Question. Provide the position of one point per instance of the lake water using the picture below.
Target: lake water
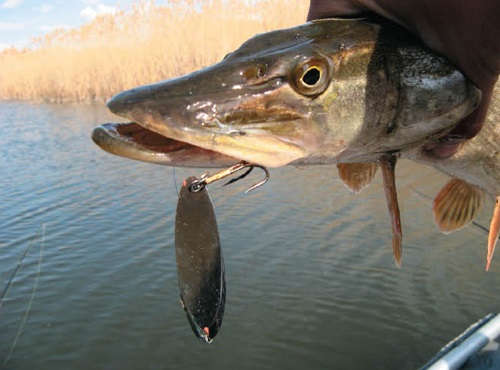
(310, 276)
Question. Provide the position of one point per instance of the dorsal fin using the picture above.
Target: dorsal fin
(357, 176)
(494, 230)
(456, 205)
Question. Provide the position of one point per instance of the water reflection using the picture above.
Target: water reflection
(311, 282)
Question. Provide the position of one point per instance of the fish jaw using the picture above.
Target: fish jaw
(133, 141)
(255, 125)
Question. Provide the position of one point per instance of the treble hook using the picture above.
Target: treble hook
(205, 179)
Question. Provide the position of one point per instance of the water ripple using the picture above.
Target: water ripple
(310, 274)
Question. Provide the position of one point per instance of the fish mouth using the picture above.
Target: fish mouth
(212, 141)
(259, 123)
(253, 144)
(133, 141)
(159, 144)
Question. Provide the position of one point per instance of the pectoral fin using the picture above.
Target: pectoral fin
(357, 176)
(388, 166)
(456, 205)
(494, 230)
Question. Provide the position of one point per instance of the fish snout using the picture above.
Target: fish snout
(126, 101)
(117, 103)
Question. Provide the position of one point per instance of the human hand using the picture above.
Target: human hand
(465, 31)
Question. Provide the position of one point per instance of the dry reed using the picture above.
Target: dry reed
(145, 44)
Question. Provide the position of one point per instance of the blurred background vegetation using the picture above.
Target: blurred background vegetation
(145, 44)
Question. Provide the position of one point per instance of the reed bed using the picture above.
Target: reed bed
(144, 44)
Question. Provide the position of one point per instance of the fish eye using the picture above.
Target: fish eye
(311, 78)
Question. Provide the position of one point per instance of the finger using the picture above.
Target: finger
(327, 8)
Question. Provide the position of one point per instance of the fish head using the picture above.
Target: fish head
(326, 91)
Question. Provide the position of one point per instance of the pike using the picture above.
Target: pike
(356, 93)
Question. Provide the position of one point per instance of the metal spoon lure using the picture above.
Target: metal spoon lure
(200, 265)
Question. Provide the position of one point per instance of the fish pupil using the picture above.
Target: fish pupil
(311, 77)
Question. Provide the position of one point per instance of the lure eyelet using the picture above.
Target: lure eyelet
(199, 184)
